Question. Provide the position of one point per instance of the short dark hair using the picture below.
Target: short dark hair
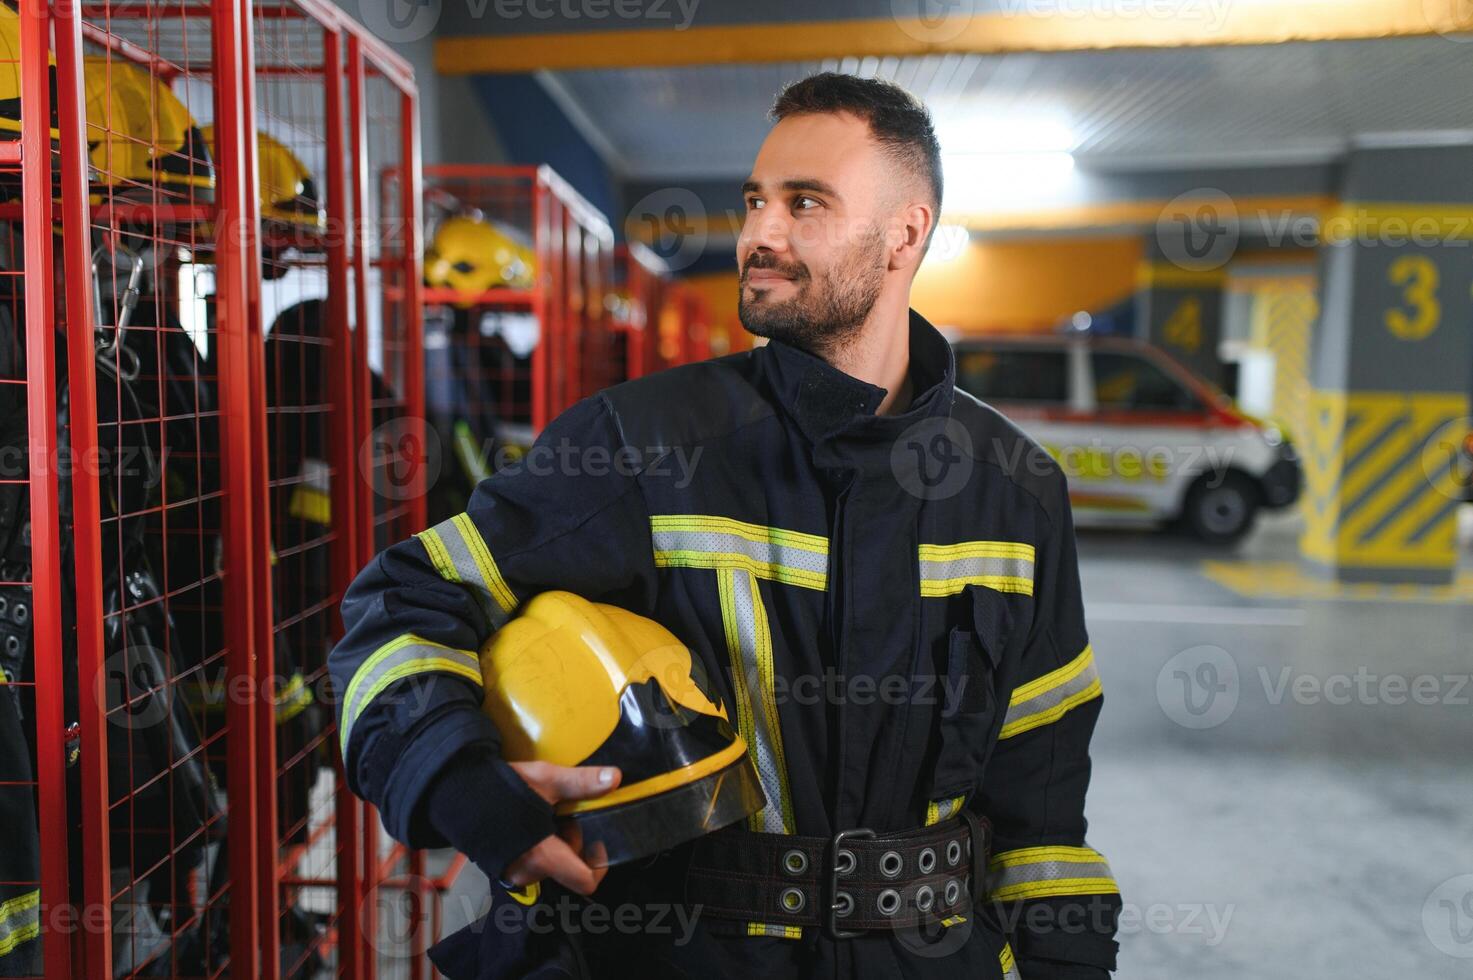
(897, 120)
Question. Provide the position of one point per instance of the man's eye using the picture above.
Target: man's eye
(799, 203)
(753, 203)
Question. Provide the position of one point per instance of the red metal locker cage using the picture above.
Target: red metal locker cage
(180, 500)
(519, 269)
(634, 306)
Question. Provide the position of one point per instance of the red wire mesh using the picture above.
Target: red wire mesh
(307, 422)
(149, 101)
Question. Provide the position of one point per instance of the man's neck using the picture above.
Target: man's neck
(880, 354)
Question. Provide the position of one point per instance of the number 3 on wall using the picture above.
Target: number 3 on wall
(1417, 275)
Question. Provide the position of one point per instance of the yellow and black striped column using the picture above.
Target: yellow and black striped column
(1391, 368)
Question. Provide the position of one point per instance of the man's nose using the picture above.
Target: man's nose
(765, 228)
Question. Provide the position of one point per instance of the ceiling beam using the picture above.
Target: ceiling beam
(1068, 27)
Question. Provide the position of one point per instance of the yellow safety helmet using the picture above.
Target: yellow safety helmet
(285, 187)
(471, 255)
(10, 73)
(580, 683)
(140, 133)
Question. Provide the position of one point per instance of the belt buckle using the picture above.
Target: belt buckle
(831, 920)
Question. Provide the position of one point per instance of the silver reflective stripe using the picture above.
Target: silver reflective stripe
(750, 645)
(404, 657)
(20, 920)
(969, 568)
(696, 541)
(1006, 566)
(1050, 697)
(1041, 872)
(939, 810)
(459, 554)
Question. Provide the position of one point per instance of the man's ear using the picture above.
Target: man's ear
(913, 224)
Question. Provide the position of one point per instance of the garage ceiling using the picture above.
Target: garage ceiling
(1114, 110)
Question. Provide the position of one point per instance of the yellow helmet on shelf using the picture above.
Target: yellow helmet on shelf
(285, 187)
(141, 134)
(579, 683)
(472, 255)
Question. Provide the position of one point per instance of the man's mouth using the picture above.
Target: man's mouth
(765, 277)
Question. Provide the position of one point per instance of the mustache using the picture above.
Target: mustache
(762, 260)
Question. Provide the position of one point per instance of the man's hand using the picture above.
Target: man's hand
(559, 856)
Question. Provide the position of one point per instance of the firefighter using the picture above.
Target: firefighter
(874, 572)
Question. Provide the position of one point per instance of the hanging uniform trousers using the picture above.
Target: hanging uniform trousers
(888, 606)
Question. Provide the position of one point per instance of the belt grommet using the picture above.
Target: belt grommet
(925, 898)
(843, 904)
(844, 862)
(795, 862)
(793, 900)
(21, 614)
(12, 644)
(952, 894)
(891, 864)
(953, 853)
(888, 901)
(926, 861)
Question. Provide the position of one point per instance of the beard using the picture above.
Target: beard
(824, 314)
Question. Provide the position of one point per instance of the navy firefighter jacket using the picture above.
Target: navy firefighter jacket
(897, 598)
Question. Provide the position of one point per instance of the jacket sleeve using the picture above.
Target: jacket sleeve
(569, 515)
(1055, 895)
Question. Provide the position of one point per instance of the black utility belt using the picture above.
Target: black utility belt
(855, 881)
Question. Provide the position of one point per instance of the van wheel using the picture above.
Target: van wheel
(1221, 510)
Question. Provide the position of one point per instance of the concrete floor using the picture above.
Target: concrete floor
(1310, 817)
(1273, 803)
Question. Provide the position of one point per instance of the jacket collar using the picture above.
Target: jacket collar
(825, 402)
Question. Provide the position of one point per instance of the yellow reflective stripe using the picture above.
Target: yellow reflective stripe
(1048, 698)
(1004, 566)
(775, 554)
(20, 920)
(1009, 965)
(749, 643)
(953, 920)
(1041, 872)
(402, 657)
(939, 810)
(439, 558)
(459, 554)
(781, 932)
(476, 544)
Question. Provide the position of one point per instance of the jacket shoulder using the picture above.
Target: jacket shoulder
(687, 404)
(999, 443)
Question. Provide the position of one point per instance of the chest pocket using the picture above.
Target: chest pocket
(969, 703)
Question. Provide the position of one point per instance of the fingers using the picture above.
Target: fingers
(557, 783)
(552, 857)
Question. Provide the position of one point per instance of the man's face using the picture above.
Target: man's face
(812, 252)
